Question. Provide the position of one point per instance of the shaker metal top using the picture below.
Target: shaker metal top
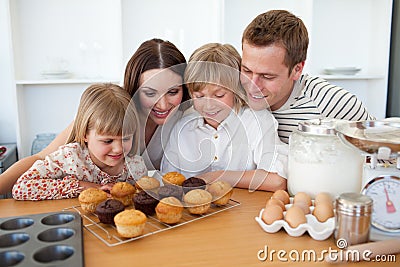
(318, 126)
(354, 202)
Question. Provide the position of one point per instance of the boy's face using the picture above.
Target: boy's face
(214, 103)
(265, 76)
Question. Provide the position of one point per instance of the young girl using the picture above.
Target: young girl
(99, 151)
(224, 139)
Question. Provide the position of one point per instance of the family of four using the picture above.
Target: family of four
(217, 116)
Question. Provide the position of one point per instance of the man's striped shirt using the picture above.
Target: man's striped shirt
(315, 98)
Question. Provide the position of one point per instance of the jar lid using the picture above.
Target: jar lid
(318, 126)
(354, 202)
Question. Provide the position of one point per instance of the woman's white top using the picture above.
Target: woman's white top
(154, 151)
(247, 140)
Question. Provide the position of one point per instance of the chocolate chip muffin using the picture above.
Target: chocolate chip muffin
(193, 183)
(107, 210)
(145, 202)
(170, 190)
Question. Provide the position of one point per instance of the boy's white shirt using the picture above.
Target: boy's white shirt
(247, 140)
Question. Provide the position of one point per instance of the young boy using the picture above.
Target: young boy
(223, 138)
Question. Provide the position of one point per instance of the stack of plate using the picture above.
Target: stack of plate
(56, 74)
(342, 70)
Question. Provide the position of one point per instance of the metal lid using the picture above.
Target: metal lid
(354, 203)
(318, 126)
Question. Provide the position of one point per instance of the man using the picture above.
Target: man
(274, 48)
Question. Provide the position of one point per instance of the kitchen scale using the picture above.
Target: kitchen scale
(379, 142)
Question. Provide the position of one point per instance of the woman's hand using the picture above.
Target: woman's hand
(85, 185)
(107, 187)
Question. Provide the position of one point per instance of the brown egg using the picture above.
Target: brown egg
(323, 211)
(275, 201)
(303, 206)
(295, 216)
(281, 195)
(272, 213)
(322, 197)
(302, 197)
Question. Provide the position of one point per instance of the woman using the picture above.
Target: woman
(153, 77)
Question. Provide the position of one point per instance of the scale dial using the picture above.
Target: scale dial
(385, 192)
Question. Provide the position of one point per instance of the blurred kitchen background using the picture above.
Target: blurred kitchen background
(51, 50)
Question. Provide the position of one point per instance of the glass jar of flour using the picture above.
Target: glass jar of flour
(320, 162)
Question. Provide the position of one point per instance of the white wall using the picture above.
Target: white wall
(86, 35)
(186, 23)
(8, 114)
(239, 13)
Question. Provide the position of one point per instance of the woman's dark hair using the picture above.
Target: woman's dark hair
(154, 54)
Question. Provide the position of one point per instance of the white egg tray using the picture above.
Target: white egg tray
(317, 230)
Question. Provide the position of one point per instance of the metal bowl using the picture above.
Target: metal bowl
(369, 136)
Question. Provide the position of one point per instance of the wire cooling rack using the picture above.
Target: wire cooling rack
(109, 236)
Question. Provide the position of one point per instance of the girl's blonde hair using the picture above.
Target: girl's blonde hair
(107, 109)
(217, 64)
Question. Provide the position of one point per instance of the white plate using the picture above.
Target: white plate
(342, 71)
(57, 75)
(317, 230)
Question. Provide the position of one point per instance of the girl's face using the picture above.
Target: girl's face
(108, 151)
(159, 93)
(214, 103)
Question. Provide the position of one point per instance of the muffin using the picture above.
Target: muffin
(107, 210)
(145, 202)
(130, 223)
(170, 190)
(169, 210)
(90, 198)
(198, 201)
(173, 178)
(123, 192)
(193, 183)
(147, 183)
(221, 192)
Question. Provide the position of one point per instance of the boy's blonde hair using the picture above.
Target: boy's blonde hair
(107, 109)
(217, 64)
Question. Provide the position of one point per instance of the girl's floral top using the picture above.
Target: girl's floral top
(58, 175)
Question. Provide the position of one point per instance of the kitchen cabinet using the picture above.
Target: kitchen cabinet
(90, 41)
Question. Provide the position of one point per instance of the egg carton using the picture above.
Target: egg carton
(316, 229)
(47, 239)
